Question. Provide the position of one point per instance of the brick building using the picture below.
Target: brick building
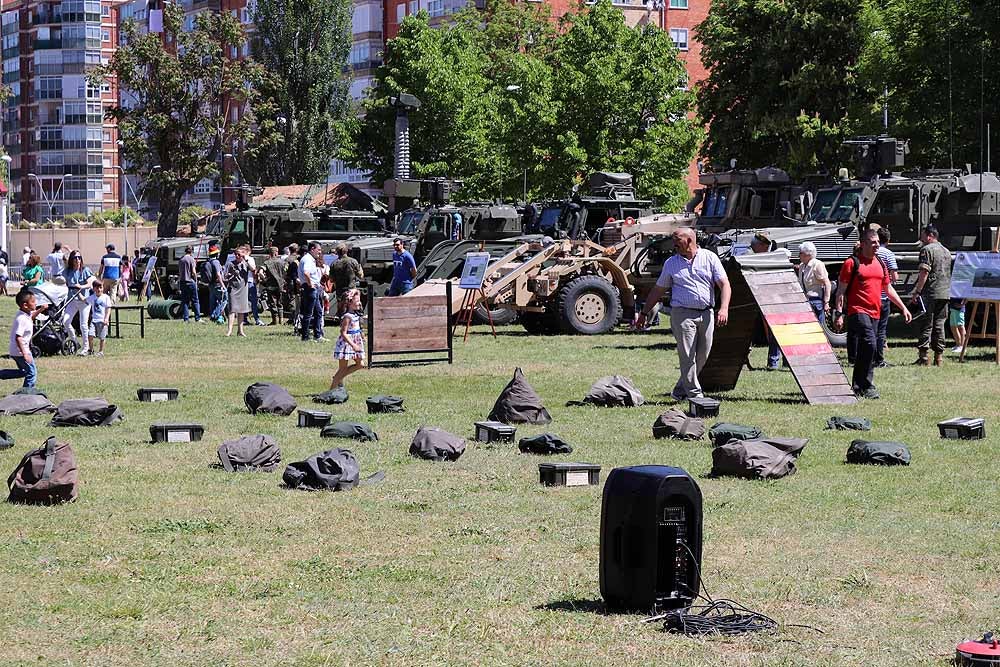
(63, 151)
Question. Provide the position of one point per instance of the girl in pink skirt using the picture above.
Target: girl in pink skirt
(350, 348)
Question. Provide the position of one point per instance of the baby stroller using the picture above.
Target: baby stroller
(50, 337)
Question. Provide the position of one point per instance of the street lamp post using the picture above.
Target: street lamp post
(50, 202)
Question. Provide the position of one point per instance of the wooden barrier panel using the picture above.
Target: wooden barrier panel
(777, 296)
(410, 325)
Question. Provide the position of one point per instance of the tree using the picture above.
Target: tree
(506, 99)
(939, 63)
(782, 87)
(184, 103)
(304, 46)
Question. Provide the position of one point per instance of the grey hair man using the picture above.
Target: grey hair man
(691, 275)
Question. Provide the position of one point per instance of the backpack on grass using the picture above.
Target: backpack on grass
(352, 430)
(675, 424)
(249, 453)
(332, 470)
(613, 391)
(544, 444)
(86, 412)
(434, 444)
(767, 458)
(723, 432)
(269, 398)
(25, 404)
(332, 396)
(880, 453)
(518, 403)
(45, 476)
(848, 424)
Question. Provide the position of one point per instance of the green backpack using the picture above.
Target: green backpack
(723, 432)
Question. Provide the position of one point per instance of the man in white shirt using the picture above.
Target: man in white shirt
(312, 306)
(691, 275)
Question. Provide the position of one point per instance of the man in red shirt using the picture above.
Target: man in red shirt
(863, 277)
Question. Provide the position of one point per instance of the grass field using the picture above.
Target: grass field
(164, 560)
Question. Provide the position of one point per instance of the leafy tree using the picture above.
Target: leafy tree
(939, 62)
(190, 215)
(181, 102)
(507, 98)
(782, 87)
(304, 45)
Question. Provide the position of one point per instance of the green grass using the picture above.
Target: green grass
(167, 561)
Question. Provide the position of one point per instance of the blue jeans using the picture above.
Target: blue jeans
(400, 288)
(189, 295)
(312, 313)
(882, 333)
(217, 299)
(818, 307)
(254, 305)
(23, 370)
(773, 351)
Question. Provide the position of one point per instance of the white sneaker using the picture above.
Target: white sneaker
(83, 353)
(957, 349)
(98, 354)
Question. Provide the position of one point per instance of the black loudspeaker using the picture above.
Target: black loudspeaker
(650, 539)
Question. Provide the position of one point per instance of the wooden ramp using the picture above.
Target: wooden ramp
(778, 296)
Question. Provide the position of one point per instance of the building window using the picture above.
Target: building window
(435, 7)
(49, 87)
(680, 38)
(414, 7)
(105, 35)
(678, 4)
(105, 10)
(400, 13)
(203, 187)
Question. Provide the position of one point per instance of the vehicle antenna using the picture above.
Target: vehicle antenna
(951, 113)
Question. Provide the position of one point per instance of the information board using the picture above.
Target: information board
(976, 276)
(475, 270)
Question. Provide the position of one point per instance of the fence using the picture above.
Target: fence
(90, 241)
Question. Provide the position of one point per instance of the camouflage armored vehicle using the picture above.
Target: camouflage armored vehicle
(168, 253)
(609, 196)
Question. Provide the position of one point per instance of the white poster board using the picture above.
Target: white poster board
(976, 276)
(150, 265)
(475, 270)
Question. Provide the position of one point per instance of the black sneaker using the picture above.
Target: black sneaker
(883, 364)
(871, 393)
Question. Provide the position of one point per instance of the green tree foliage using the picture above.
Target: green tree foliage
(782, 87)
(177, 102)
(510, 95)
(304, 45)
(940, 63)
(190, 215)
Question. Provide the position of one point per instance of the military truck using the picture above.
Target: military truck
(168, 253)
(609, 196)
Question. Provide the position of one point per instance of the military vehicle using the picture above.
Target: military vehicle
(609, 196)
(168, 253)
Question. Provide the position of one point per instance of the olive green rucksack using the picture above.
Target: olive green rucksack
(352, 430)
(723, 432)
(848, 424)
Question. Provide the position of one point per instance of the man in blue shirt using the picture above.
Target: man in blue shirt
(691, 275)
(404, 270)
(110, 272)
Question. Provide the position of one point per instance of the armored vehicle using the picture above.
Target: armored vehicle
(609, 196)
(481, 222)
(168, 253)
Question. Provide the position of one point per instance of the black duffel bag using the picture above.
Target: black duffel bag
(544, 443)
(332, 396)
(269, 398)
(6, 440)
(613, 391)
(765, 458)
(332, 470)
(250, 453)
(434, 444)
(380, 403)
(882, 453)
(352, 430)
(85, 412)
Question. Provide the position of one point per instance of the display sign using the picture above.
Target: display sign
(976, 276)
(475, 270)
(150, 265)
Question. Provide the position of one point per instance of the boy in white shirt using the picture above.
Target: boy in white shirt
(100, 313)
(21, 331)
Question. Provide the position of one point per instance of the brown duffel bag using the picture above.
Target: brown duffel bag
(45, 476)
(675, 424)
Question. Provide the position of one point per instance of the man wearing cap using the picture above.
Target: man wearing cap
(216, 286)
(188, 278)
(110, 272)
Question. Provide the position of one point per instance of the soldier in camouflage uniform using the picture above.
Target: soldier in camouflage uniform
(934, 287)
(272, 278)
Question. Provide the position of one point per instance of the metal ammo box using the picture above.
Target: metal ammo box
(703, 407)
(314, 418)
(151, 395)
(162, 432)
(489, 431)
(963, 428)
(569, 474)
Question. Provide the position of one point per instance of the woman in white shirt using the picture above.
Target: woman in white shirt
(815, 279)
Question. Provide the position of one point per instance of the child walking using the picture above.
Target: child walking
(956, 318)
(20, 340)
(350, 348)
(100, 313)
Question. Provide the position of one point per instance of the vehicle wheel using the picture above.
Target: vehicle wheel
(836, 339)
(69, 347)
(589, 305)
(35, 350)
(501, 316)
(538, 324)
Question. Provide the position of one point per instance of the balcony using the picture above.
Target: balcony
(45, 18)
(41, 44)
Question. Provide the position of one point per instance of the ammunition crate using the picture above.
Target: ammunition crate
(703, 407)
(151, 395)
(963, 428)
(176, 432)
(488, 431)
(314, 418)
(569, 474)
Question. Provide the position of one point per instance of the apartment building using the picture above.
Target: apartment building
(679, 17)
(63, 151)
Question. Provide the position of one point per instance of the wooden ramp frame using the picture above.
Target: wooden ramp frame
(778, 296)
(410, 325)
